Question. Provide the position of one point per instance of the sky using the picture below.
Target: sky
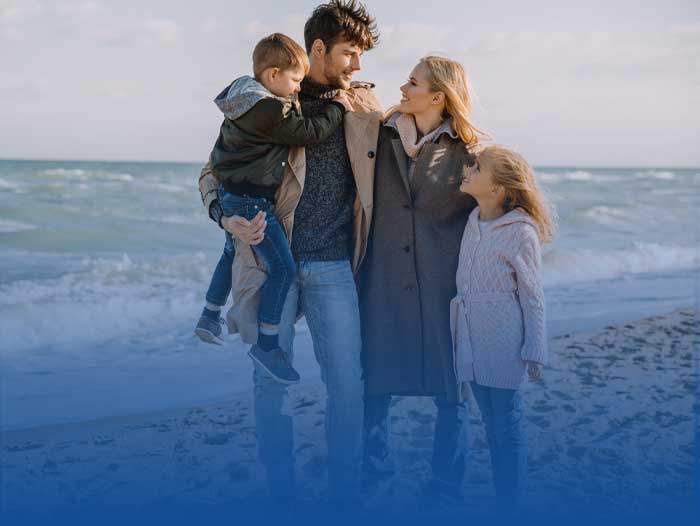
(566, 83)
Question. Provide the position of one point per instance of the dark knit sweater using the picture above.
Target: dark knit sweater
(323, 217)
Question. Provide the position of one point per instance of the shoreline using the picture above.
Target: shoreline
(612, 420)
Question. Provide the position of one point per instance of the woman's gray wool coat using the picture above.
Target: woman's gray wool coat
(407, 279)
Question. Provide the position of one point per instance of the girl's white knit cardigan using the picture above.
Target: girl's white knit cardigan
(498, 316)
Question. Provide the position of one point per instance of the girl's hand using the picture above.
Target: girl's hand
(534, 371)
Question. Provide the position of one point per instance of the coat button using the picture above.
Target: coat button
(407, 207)
(408, 287)
(407, 248)
(370, 154)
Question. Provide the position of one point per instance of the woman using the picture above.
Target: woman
(408, 277)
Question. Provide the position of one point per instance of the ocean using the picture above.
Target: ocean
(104, 266)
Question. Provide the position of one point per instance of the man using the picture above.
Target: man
(325, 206)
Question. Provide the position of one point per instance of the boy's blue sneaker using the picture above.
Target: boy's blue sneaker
(209, 330)
(276, 364)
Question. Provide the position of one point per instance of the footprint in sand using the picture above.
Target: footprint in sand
(237, 472)
(303, 446)
(216, 439)
(50, 468)
(561, 395)
(421, 418)
(194, 417)
(539, 421)
(665, 419)
(421, 443)
(304, 402)
(543, 408)
(583, 421)
(576, 452)
(657, 469)
(102, 440)
(137, 427)
(315, 467)
(226, 420)
(479, 444)
(27, 446)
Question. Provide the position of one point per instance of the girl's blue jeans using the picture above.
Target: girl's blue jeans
(502, 411)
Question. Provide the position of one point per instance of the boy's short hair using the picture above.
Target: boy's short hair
(341, 20)
(278, 51)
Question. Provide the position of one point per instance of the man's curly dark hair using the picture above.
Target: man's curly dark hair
(341, 20)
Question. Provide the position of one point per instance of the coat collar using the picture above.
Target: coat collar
(445, 127)
(402, 157)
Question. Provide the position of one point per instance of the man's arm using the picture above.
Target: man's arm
(250, 232)
(208, 190)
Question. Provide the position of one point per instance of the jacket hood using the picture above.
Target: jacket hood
(517, 215)
(241, 95)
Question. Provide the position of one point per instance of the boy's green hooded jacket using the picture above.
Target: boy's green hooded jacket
(251, 152)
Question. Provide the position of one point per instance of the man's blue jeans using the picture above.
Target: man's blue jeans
(501, 412)
(450, 444)
(327, 294)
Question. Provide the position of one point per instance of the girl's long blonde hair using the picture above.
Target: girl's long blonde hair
(511, 171)
(448, 76)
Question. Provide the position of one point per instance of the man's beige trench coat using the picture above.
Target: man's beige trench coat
(361, 132)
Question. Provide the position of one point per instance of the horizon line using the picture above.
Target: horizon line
(156, 161)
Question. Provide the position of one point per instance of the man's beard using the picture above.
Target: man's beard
(334, 78)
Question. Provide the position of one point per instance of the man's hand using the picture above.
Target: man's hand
(534, 372)
(250, 232)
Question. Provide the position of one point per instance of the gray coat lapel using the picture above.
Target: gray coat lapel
(402, 161)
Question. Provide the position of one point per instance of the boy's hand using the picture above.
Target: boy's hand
(343, 99)
(534, 371)
(250, 232)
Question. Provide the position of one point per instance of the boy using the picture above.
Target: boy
(249, 158)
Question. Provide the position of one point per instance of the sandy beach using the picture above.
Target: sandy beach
(610, 425)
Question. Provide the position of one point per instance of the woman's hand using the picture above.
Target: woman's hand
(250, 232)
(534, 371)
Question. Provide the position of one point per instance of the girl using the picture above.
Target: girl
(498, 316)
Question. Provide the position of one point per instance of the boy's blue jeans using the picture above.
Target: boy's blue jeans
(273, 250)
(501, 411)
(220, 285)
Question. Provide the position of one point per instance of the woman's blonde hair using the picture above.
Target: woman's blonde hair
(511, 171)
(448, 76)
